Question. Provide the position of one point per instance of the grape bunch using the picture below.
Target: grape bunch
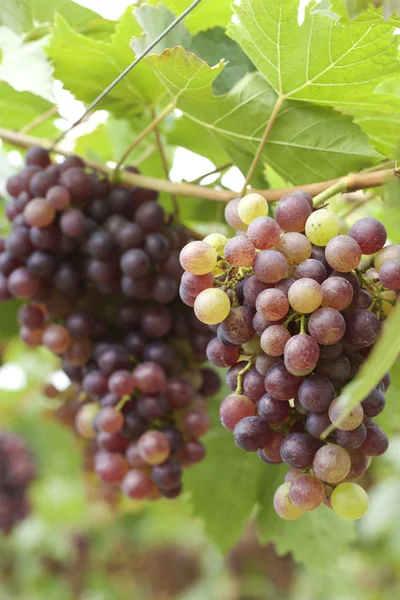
(296, 310)
(97, 264)
(17, 471)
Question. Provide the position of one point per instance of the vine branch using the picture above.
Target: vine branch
(353, 182)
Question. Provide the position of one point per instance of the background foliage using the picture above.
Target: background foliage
(336, 80)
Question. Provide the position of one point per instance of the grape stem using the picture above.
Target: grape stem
(122, 403)
(337, 188)
(271, 121)
(40, 119)
(213, 172)
(303, 324)
(241, 374)
(152, 126)
(360, 181)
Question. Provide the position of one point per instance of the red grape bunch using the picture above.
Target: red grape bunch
(97, 264)
(295, 316)
(17, 471)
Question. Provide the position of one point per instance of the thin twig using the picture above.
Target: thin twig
(358, 181)
(127, 70)
(164, 162)
(213, 172)
(40, 119)
(144, 133)
(264, 138)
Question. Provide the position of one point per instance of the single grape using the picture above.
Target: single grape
(217, 241)
(212, 306)
(270, 266)
(388, 298)
(321, 226)
(31, 316)
(264, 363)
(237, 328)
(349, 501)
(338, 370)
(376, 443)
(284, 285)
(301, 354)
(342, 417)
(198, 258)
(307, 492)
(239, 251)
(305, 295)
(374, 403)
(281, 384)
(22, 284)
(293, 210)
(317, 423)
(221, 355)
(251, 434)
(283, 505)
(370, 235)
(391, 252)
(272, 411)
(273, 340)
(253, 385)
(251, 207)
(194, 424)
(37, 156)
(389, 274)
(252, 287)
(359, 465)
(149, 378)
(110, 467)
(312, 269)
(316, 393)
(109, 420)
(343, 253)
(85, 419)
(350, 440)
(234, 408)
(232, 215)
(264, 233)
(326, 326)
(337, 293)
(298, 450)
(272, 304)
(58, 197)
(271, 453)
(362, 328)
(295, 247)
(331, 463)
(194, 284)
(137, 484)
(56, 338)
(154, 447)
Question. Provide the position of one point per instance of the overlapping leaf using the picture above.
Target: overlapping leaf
(336, 64)
(17, 109)
(306, 143)
(206, 15)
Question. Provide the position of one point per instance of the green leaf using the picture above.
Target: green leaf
(97, 63)
(17, 109)
(224, 488)
(383, 130)
(8, 319)
(153, 21)
(211, 46)
(16, 15)
(24, 65)
(77, 16)
(356, 7)
(307, 143)
(320, 61)
(206, 15)
(317, 539)
(381, 359)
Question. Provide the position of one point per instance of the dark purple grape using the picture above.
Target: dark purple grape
(311, 268)
(237, 328)
(301, 354)
(41, 264)
(150, 217)
(317, 423)
(152, 407)
(316, 393)
(376, 442)
(374, 403)
(273, 411)
(350, 440)
(362, 328)
(298, 450)
(281, 384)
(253, 385)
(251, 434)
(79, 184)
(338, 370)
(168, 475)
(370, 235)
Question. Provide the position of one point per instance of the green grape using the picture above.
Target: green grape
(212, 306)
(391, 252)
(321, 226)
(349, 500)
(84, 420)
(305, 295)
(217, 241)
(349, 421)
(251, 207)
(253, 346)
(283, 505)
(198, 258)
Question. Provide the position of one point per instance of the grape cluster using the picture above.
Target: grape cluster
(295, 315)
(17, 471)
(98, 266)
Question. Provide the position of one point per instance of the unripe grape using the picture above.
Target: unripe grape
(217, 241)
(283, 505)
(349, 501)
(84, 420)
(321, 226)
(198, 258)
(232, 216)
(212, 306)
(349, 421)
(305, 295)
(251, 207)
(391, 252)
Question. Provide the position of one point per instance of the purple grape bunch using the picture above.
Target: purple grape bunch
(17, 472)
(97, 266)
(295, 312)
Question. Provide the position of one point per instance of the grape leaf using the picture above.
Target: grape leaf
(321, 61)
(206, 15)
(383, 130)
(213, 44)
(306, 143)
(17, 109)
(24, 65)
(97, 63)
(224, 488)
(317, 539)
(153, 21)
(8, 319)
(199, 139)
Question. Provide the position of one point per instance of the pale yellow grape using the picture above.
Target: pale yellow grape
(217, 241)
(84, 420)
(321, 226)
(251, 207)
(349, 501)
(282, 504)
(305, 295)
(198, 258)
(350, 420)
(212, 306)
(391, 252)
(387, 307)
